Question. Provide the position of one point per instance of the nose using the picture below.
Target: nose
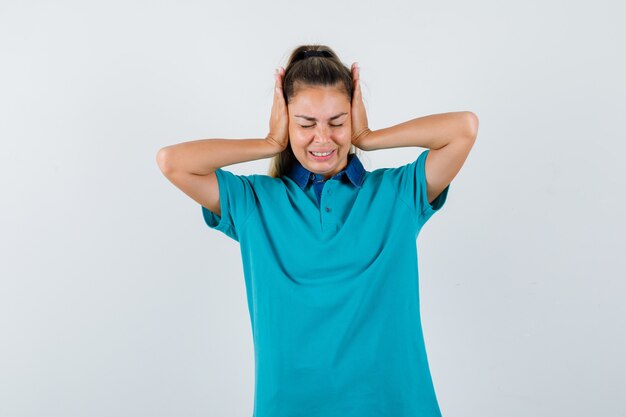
(322, 134)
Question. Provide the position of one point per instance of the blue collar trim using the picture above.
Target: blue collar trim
(354, 171)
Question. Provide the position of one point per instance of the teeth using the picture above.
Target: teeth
(321, 154)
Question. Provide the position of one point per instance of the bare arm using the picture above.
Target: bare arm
(191, 166)
(433, 131)
(449, 136)
(204, 156)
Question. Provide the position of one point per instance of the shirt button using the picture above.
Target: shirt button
(327, 208)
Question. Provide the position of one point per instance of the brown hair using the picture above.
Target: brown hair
(302, 71)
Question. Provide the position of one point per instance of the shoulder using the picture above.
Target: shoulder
(266, 184)
(252, 179)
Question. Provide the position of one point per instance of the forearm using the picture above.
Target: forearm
(204, 156)
(433, 131)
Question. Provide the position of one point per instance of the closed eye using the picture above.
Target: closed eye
(314, 125)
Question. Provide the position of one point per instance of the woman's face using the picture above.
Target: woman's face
(320, 121)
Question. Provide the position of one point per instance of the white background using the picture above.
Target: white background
(117, 300)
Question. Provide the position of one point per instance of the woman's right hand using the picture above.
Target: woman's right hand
(279, 119)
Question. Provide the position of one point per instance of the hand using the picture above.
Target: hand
(279, 118)
(359, 119)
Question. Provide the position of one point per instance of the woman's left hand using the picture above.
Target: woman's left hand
(360, 129)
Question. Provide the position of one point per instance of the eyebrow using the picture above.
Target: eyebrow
(313, 119)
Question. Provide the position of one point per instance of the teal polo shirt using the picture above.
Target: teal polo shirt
(331, 279)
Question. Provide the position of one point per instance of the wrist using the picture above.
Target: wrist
(362, 140)
(273, 146)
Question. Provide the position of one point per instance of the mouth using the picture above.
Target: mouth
(322, 156)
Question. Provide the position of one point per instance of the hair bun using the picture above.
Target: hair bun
(312, 53)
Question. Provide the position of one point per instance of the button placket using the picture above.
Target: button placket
(328, 191)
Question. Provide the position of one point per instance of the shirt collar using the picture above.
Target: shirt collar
(354, 171)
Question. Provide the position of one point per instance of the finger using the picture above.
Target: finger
(357, 87)
(279, 82)
(277, 77)
(356, 78)
(277, 86)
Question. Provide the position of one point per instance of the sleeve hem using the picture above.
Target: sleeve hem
(430, 207)
(437, 203)
(223, 222)
(215, 221)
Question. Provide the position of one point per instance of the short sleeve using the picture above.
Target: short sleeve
(237, 202)
(410, 181)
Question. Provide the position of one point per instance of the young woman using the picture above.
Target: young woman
(329, 248)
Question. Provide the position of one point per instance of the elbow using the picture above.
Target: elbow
(164, 160)
(471, 125)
